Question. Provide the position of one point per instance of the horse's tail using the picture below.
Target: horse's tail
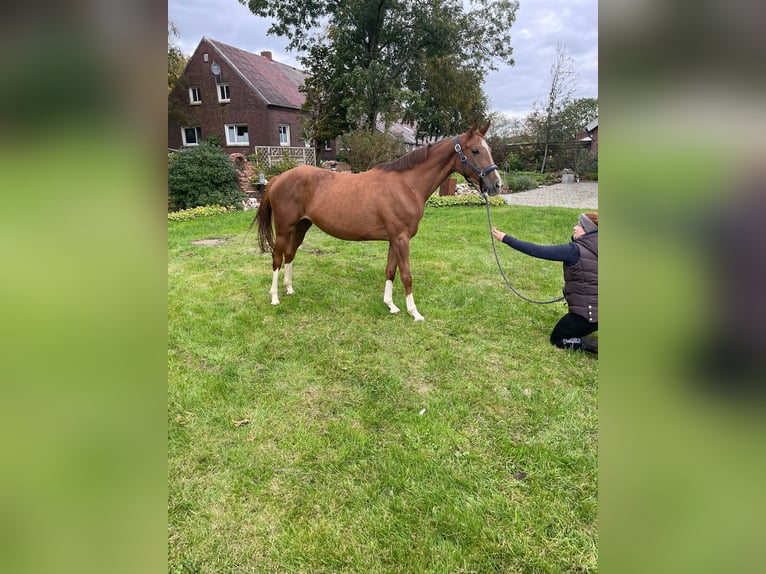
(263, 217)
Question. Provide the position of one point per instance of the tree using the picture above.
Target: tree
(387, 59)
(176, 64)
(441, 109)
(364, 149)
(562, 87)
(575, 116)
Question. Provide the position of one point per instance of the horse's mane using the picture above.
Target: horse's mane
(407, 161)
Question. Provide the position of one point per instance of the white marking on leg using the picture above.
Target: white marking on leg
(388, 296)
(273, 290)
(412, 310)
(289, 278)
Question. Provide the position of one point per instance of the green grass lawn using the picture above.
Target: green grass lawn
(466, 443)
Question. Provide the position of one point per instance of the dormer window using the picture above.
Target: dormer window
(223, 93)
(195, 96)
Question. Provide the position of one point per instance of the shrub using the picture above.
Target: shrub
(284, 164)
(197, 212)
(203, 175)
(585, 161)
(550, 178)
(462, 200)
(520, 182)
(364, 149)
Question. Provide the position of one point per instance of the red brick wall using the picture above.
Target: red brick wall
(245, 107)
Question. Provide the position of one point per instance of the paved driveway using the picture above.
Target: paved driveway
(583, 195)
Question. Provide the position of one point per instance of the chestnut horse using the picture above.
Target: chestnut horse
(384, 203)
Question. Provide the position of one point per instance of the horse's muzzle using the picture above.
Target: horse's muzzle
(492, 184)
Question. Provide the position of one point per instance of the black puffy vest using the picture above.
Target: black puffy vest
(581, 279)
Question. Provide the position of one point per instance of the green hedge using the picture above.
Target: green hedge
(461, 200)
(197, 212)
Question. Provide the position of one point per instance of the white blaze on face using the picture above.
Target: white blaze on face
(494, 174)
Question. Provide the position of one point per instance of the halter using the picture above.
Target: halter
(480, 172)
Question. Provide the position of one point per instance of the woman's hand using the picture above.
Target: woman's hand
(499, 235)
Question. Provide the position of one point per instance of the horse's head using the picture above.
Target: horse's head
(476, 163)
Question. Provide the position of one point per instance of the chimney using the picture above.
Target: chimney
(266, 54)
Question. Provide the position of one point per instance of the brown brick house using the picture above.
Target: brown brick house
(245, 100)
(590, 134)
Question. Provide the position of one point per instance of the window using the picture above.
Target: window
(195, 95)
(328, 145)
(191, 136)
(236, 134)
(284, 134)
(223, 93)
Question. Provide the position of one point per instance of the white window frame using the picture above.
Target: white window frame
(223, 90)
(197, 133)
(238, 138)
(327, 145)
(195, 96)
(284, 135)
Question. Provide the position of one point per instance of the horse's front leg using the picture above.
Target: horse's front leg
(388, 293)
(403, 256)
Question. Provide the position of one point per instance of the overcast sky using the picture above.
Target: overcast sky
(539, 26)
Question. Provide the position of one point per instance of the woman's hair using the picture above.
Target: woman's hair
(593, 216)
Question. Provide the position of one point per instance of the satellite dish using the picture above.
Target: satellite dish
(215, 68)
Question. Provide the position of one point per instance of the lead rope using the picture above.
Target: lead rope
(497, 259)
(481, 174)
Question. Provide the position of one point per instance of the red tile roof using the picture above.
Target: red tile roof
(276, 83)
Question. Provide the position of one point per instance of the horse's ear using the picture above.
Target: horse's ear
(483, 130)
(473, 128)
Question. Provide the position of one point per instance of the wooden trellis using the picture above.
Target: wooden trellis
(270, 155)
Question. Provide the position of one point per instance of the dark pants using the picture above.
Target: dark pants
(568, 332)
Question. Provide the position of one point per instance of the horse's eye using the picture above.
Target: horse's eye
(475, 152)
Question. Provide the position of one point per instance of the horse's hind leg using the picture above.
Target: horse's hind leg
(277, 256)
(388, 293)
(296, 238)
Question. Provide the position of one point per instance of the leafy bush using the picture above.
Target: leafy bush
(284, 164)
(585, 161)
(203, 175)
(363, 149)
(512, 163)
(520, 182)
(197, 212)
(462, 200)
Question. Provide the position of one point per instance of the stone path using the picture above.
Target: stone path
(582, 195)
